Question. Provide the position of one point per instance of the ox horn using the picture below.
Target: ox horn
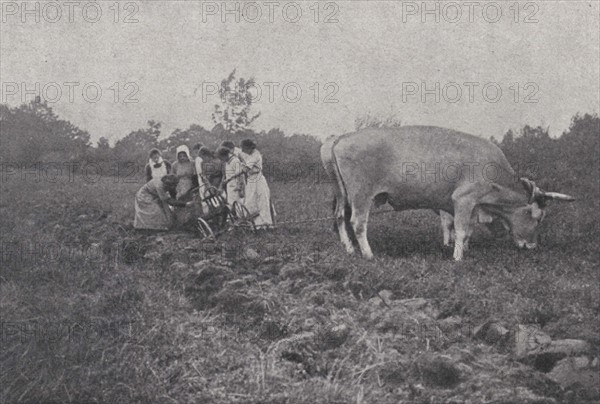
(558, 196)
(536, 193)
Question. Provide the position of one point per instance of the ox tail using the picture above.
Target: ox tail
(344, 195)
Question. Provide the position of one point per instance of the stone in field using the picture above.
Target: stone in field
(529, 338)
(578, 371)
(491, 332)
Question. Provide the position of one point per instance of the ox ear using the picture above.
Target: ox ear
(531, 189)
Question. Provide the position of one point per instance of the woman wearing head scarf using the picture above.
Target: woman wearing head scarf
(233, 176)
(258, 195)
(152, 202)
(184, 169)
(156, 167)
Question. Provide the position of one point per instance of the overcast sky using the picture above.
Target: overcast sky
(375, 59)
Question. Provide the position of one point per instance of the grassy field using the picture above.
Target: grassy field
(93, 312)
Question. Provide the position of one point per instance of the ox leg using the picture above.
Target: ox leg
(359, 220)
(462, 228)
(447, 227)
(340, 219)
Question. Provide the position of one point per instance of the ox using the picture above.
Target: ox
(426, 167)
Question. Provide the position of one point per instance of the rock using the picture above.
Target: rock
(152, 255)
(237, 283)
(452, 325)
(411, 318)
(205, 283)
(420, 305)
(383, 298)
(250, 254)
(291, 270)
(569, 347)
(224, 263)
(333, 336)
(271, 260)
(439, 370)
(577, 370)
(159, 240)
(491, 332)
(529, 338)
(200, 265)
(178, 266)
(545, 357)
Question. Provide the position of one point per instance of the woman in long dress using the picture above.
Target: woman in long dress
(152, 202)
(156, 167)
(258, 195)
(233, 176)
(185, 170)
(211, 167)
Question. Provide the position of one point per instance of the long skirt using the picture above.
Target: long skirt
(258, 200)
(186, 216)
(233, 195)
(184, 186)
(149, 212)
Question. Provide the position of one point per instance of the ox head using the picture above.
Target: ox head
(524, 220)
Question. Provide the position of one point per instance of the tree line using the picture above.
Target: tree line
(33, 132)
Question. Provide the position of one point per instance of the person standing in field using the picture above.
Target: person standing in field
(184, 169)
(258, 195)
(156, 167)
(233, 177)
(211, 167)
(198, 161)
(236, 151)
(152, 204)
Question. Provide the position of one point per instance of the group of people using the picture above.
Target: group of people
(236, 171)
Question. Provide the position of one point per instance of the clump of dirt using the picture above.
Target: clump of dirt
(203, 285)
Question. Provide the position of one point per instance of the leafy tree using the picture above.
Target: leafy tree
(190, 136)
(138, 143)
(580, 146)
(375, 121)
(33, 132)
(236, 101)
(566, 162)
(103, 144)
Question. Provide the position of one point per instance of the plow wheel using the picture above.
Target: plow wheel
(242, 217)
(204, 229)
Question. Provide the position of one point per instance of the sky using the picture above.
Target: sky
(483, 67)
